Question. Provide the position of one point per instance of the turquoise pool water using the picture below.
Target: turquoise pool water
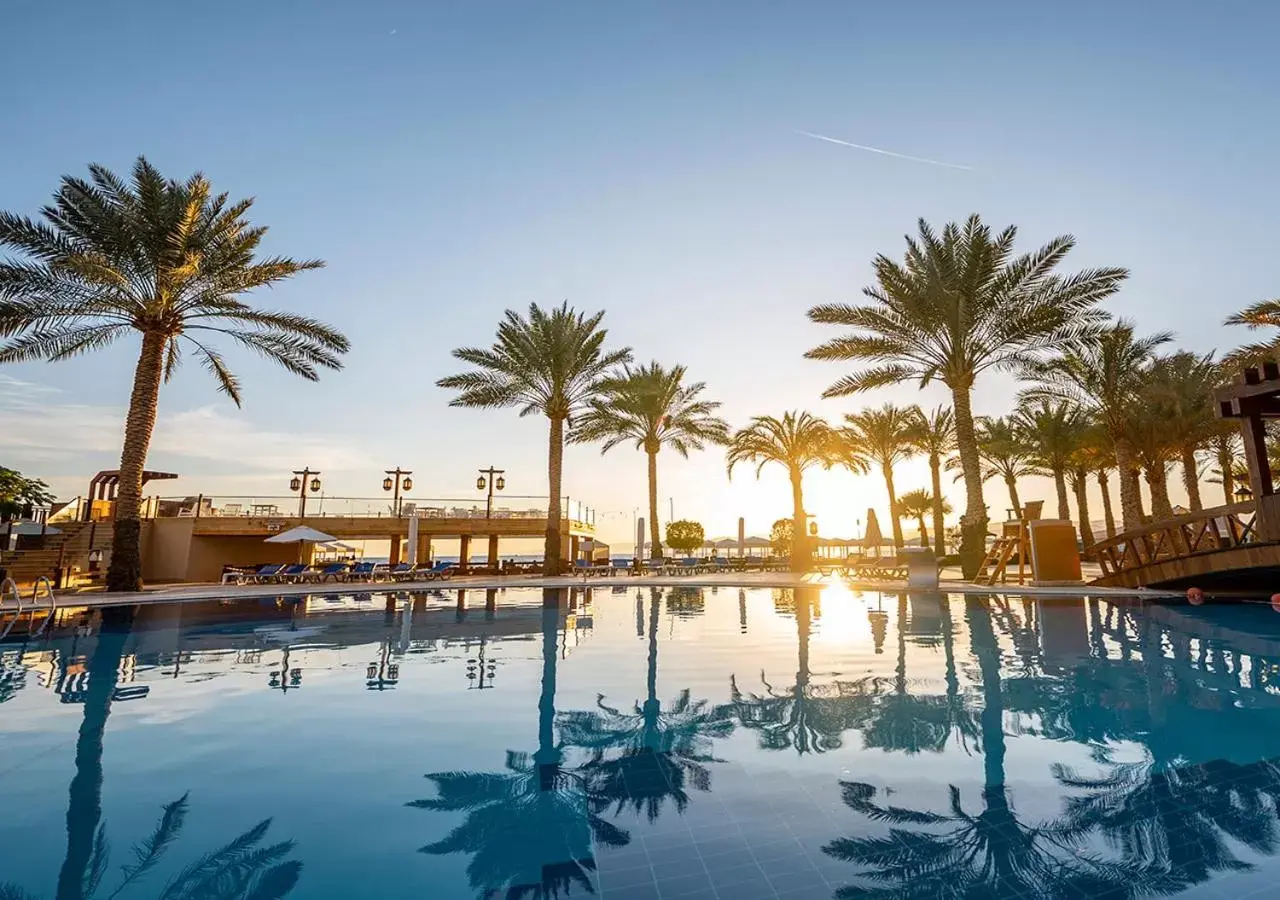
(643, 743)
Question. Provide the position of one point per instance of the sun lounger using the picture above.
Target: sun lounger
(622, 564)
(362, 571)
(400, 572)
(290, 574)
(441, 570)
(334, 571)
(266, 574)
(690, 565)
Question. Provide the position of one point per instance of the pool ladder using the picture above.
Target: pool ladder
(10, 595)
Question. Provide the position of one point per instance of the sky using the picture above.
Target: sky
(686, 167)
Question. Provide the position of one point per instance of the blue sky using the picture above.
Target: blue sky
(451, 160)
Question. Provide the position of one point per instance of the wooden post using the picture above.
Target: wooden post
(464, 553)
(493, 552)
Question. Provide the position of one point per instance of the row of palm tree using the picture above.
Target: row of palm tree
(169, 261)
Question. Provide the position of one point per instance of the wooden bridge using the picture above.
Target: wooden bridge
(1217, 547)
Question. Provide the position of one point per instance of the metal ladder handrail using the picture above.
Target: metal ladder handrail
(10, 586)
(35, 600)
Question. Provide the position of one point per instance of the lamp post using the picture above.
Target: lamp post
(396, 479)
(492, 479)
(285, 678)
(301, 482)
(383, 674)
(1243, 493)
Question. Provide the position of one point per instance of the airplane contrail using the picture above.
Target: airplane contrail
(919, 159)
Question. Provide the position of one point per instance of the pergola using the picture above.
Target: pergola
(103, 486)
(1252, 401)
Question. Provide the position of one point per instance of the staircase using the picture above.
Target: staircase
(70, 548)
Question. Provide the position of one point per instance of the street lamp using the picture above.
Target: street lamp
(383, 674)
(494, 482)
(300, 483)
(285, 678)
(396, 480)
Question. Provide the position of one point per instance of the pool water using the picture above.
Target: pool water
(643, 743)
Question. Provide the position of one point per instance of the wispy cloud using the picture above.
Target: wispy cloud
(882, 152)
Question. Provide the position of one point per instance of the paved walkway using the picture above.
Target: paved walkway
(170, 594)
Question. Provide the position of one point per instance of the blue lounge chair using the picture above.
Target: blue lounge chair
(690, 565)
(402, 571)
(363, 571)
(622, 564)
(291, 574)
(332, 572)
(584, 567)
(266, 574)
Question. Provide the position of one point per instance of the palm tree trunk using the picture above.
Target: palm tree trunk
(939, 526)
(801, 555)
(1225, 459)
(551, 563)
(893, 507)
(1191, 478)
(1012, 484)
(1060, 483)
(1080, 483)
(987, 652)
(1108, 515)
(655, 538)
(1158, 482)
(924, 535)
(84, 807)
(125, 571)
(973, 527)
(1131, 514)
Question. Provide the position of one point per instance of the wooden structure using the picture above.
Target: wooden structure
(1232, 546)
(1011, 545)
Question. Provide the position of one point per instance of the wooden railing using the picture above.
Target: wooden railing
(1206, 531)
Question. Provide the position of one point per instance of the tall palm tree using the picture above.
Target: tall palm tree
(797, 441)
(1182, 384)
(652, 407)
(884, 437)
(164, 259)
(1053, 432)
(934, 436)
(1225, 446)
(1078, 480)
(1105, 375)
(1004, 454)
(552, 363)
(961, 304)
(917, 505)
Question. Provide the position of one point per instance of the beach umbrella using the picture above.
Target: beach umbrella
(872, 537)
(300, 535)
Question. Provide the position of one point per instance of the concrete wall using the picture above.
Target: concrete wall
(166, 544)
(209, 554)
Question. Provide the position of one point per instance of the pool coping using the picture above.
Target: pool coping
(172, 594)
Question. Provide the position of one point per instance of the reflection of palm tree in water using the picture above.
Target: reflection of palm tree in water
(241, 870)
(661, 749)
(991, 853)
(529, 829)
(797, 718)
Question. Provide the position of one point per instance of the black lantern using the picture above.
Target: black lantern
(407, 484)
(387, 483)
(315, 485)
(813, 529)
(1243, 493)
(480, 483)
(500, 483)
(295, 484)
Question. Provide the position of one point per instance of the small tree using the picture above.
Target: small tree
(781, 536)
(19, 495)
(685, 535)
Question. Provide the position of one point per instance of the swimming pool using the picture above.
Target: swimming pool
(643, 742)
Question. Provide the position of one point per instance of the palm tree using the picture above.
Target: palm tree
(885, 437)
(1225, 445)
(917, 505)
(168, 260)
(1097, 455)
(1003, 453)
(653, 407)
(961, 304)
(797, 441)
(552, 363)
(935, 436)
(1264, 314)
(1078, 481)
(1105, 375)
(1182, 384)
(1053, 432)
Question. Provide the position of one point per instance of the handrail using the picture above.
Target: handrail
(35, 600)
(1205, 531)
(11, 587)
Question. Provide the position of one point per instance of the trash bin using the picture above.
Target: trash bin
(1055, 556)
